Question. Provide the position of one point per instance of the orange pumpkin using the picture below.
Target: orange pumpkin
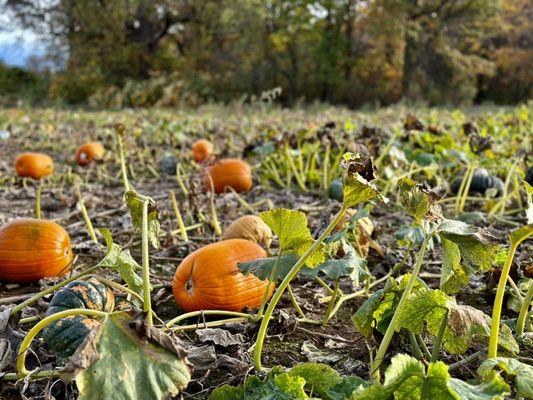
(202, 149)
(31, 249)
(209, 279)
(88, 152)
(231, 172)
(34, 165)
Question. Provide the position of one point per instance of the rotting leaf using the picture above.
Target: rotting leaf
(219, 337)
(293, 234)
(6, 354)
(122, 262)
(315, 354)
(479, 144)
(116, 352)
(135, 203)
(358, 171)
(10, 337)
(418, 201)
(412, 123)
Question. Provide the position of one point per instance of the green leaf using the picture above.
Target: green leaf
(122, 262)
(420, 307)
(148, 365)
(135, 203)
(453, 275)
(495, 389)
(344, 389)
(477, 254)
(318, 377)
(293, 234)
(418, 202)
(262, 267)
(377, 310)
(529, 208)
(520, 373)
(358, 171)
(351, 265)
(519, 235)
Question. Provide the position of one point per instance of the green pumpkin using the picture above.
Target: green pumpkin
(65, 335)
(335, 190)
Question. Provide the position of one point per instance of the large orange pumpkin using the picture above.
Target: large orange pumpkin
(209, 279)
(31, 249)
(202, 149)
(34, 165)
(89, 152)
(229, 172)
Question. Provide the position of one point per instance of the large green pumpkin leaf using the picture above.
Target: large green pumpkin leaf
(520, 373)
(122, 262)
(473, 243)
(116, 362)
(263, 267)
(454, 276)
(135, 203)
(408, 379)
(293, 234)
(318, 377)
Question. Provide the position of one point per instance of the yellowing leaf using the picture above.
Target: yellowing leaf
(135, 203)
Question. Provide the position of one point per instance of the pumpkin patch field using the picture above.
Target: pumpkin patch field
(258, 252)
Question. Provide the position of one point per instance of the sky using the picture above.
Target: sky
(18, 45)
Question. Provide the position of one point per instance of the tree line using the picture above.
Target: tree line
(351, 52)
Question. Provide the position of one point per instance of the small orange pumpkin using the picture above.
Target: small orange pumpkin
(209, 279)
(31, 249)
(89, 152)
(34, 165)
(231, 172)
(202, 149)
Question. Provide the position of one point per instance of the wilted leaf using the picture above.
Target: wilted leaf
(263, 267)
(10, 337)
(135, 204)
(293, 234)
(520, 373)
(473, 244)
(418, 201)
(315, 354)
(122, 262)
(117, 353)
(6, 354)
(479, 144)
(412, 123)
(358, 171)
(219, 337)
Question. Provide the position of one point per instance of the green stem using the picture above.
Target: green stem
(324, 285)
(385, 151)
(295, 303)
(242, 202)
(118, 286)
(191, 314)
(382, 350)
(498, 301)
(50, 290)
(179, 219)
(325, 168)
(462, 187)
(210, 324)
(38, 199)
(292, 166)
(328, 315)
(281, 288)
(86, 218)
(123, 163)
(21, 359)
(212, 205)
(522, 316)
(147, 302)
(180, 181)
(415, 346)
(28, 320)
(467, 188)
(438, 339)
(506, 188)
(270, 282)
(423, 346)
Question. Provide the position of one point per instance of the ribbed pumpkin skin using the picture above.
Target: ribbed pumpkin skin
(65, 335)
(34, 165)
(202, 149)
(31, 249)
(209, 279)
(89, 152)
(229, 172)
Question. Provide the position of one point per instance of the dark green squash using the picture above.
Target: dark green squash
(65, 335)
(335, 190)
